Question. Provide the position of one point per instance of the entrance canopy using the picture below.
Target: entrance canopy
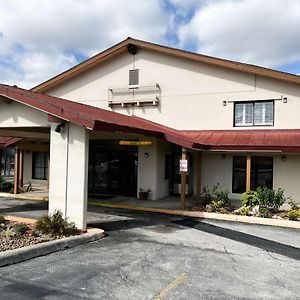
(94, 118)
(6, 141)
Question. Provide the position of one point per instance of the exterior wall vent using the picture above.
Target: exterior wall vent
(134, 77)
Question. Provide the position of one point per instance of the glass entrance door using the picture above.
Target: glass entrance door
(112, 169)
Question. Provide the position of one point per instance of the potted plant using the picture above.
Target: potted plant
(144, 194)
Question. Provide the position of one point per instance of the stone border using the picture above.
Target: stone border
(25, 253)
(23, 197)
(206, 215)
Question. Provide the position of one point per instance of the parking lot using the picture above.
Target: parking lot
(155, 256)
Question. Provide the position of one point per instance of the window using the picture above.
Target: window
(261, 173)
(259, 113)
(8, 162)
(133, 77)
(239, 174)
(40, 165)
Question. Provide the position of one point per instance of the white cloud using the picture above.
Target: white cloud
(254, 31)
(36, 36)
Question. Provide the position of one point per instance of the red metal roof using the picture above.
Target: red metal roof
(286, 140)
(6, 141)
(94, 118)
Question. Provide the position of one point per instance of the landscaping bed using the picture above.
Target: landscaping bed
(14, 235)
(262, 202)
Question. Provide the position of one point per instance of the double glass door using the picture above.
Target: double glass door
(111, 171)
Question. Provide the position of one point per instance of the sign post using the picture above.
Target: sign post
(183, 167)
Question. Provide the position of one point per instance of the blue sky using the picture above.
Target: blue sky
(39, 39)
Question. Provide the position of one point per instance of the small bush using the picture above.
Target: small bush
(55, 225)
(294, 215)
(20, 228)
(294, 205)
(222, 196)
(6, 186)
(264, 212)
(250, 198)
(270, 198)
(2, 219)
(8, 233)
(244, 211)
(206, 196)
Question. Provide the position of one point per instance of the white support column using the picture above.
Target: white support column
(69, 172)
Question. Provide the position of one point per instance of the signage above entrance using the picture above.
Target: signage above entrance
(135, 143)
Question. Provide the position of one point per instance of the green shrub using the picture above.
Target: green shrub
(264, 212)
(20, 228)
(6, 186)
(206, 196)
(270, 198)
(2, 219)
(294, 205)
(8, 233)
(294, 215)
(250, 198)
(244, 211)
(222, 196)
(55, 225)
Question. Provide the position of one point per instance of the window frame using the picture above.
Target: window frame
(253, 116)
(45, 154)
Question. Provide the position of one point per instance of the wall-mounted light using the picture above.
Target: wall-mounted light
(224, 103)
(59, 128)
(146, 154)
(283, 157)
(284, 99)
(223, 156)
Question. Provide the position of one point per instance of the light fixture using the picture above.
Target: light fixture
(59, 128)
(224, 103)
(284, 99)
(283, 157)
(146, 154)
(223, 156)
(132, 49)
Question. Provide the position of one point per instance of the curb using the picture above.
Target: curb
(206, 215)
(22, 197)
(21, 254)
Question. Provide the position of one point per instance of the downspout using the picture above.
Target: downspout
(67, 171)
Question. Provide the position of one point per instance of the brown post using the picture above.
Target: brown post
(21, 164)
(183, 182)
(16, 171)
(248, 173)
(198, 177)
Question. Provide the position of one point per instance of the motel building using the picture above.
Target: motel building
(144, 116)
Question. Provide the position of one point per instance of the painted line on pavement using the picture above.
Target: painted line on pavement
(171, 286)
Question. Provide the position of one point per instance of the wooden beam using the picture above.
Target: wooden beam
(198, 176)
(248, 173)
(16, 171)
(183, 182)
(21, 169)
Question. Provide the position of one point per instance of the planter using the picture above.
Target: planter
(143, 195)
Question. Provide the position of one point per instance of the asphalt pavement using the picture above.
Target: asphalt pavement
(155, 256)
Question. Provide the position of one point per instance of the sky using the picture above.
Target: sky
(41, 38)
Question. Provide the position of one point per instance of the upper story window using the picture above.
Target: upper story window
(254, 113)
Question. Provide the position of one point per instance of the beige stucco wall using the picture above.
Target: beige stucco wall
(191, 93)
(19, 115)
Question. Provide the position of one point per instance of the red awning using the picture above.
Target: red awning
(284, 140)
(6, 141)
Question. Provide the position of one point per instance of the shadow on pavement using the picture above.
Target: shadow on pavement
(262, 243)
